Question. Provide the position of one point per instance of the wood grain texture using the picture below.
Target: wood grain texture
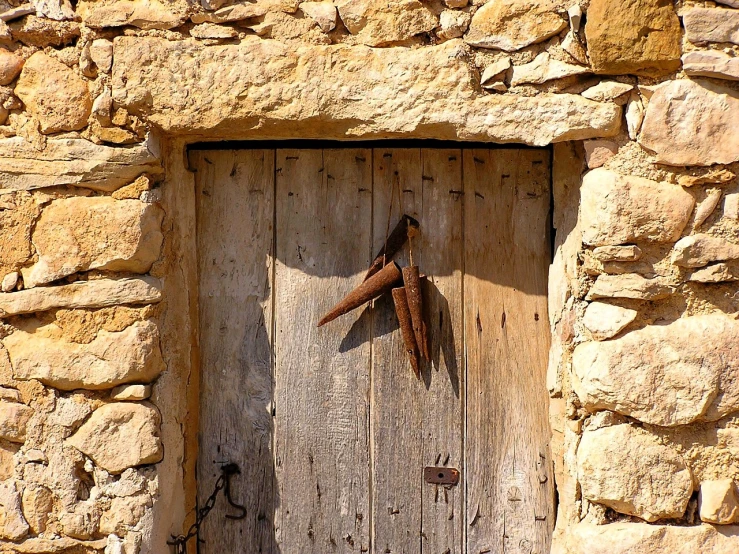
(235, 205)
(441, 258)
(323, 220)
(396, 393)
(508, 478)
(419, 423)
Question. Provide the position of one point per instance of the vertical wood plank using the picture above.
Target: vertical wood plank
(323, 223)
(509, 483)
(441, 251)
(419, 423)
(235, 213)
(397, 394)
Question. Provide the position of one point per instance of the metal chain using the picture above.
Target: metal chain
(224, 481)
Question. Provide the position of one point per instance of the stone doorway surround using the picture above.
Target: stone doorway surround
(98, 364)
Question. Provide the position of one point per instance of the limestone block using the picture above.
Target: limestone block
(10, 281)
(643, 538)
(10, 66)
(702, 249)
(35, 456)
(13, 525)
(323, 13)
(629, 285)
(717, 502)
(453, 23)
(111, 359)
(716, 273)
(124, 513)
(134, 190)
(274, 89)
(630, 471)
(37, 504)
(120, 435)
(544, 69)
(706, 207)
(74, 162)
(100, 293)
(493, 73)
(77, 234)
(130, 482)
(145, 14)
(718, 176)
(13, 421)
(599, 151)
(16, 225)
(692, 122)
(57, 545)
(606, 91)
(211, 30)
(711, 25)
(573, 45)
(83, 522)
(731, 206)
(625, 253)
(54, 94)
(619, 43)
(634, 113)
(513, 24)
(117, 545)
(42, 32)
(244, 10)
(101, 53)
(711, 63)
(9, 394)
(574, 14)
(58, 10)
(616, 209)
(378, 22)
(131, 392)
(606, 320)
(7, 462)
(664, 375)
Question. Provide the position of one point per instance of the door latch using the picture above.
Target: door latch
(441, 475)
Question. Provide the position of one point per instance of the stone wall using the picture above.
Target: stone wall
(98, 357)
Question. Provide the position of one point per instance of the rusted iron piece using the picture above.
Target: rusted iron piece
(441, 475)
(407, 226)
(406, 329)
(412, 282)
(379, 283)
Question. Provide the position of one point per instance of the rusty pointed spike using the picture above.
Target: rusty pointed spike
(379, 283)
(412, 282)
(405, 227)
(406, 329)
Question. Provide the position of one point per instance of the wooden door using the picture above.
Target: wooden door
(329, 427)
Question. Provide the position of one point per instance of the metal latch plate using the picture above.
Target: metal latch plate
(441, 475)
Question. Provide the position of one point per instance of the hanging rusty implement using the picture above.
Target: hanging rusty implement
(406, 227)
(406, 328)
(412, 281)
(380, 283)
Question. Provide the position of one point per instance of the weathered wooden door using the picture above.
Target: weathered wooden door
(329, 426)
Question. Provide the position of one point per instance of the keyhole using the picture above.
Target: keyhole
(441, 475)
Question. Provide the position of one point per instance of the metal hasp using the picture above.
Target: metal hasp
(441, 475)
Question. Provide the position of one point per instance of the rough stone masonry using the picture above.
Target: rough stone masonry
(97, 100)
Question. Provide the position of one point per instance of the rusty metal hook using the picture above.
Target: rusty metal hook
(228, 471)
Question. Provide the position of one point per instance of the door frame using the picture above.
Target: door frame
(193, 393)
